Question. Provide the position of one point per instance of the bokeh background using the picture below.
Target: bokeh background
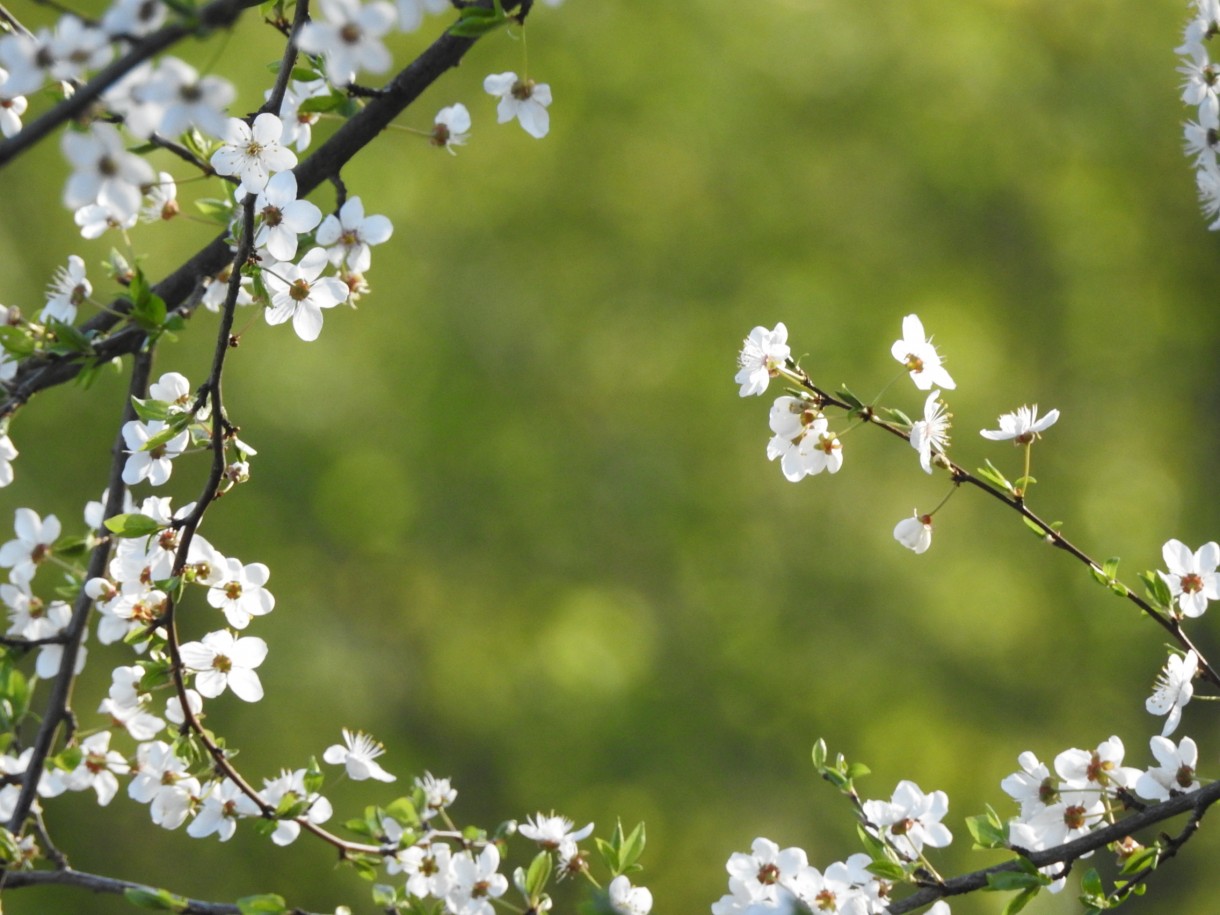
(522, 528)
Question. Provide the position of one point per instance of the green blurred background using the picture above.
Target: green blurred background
(522, 528)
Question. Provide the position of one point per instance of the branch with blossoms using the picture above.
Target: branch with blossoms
(1092, 801)
(141, 571)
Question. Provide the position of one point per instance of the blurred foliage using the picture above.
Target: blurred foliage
(522, 528)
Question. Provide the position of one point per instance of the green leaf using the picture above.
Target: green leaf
(162, 900)
(896, 416)
(321, 104)
(16, 341)
(1090, 883)
(69, 340)
(609, 854)
(887, 870)
(384, 896)
(1014, 880)
(1145, 857)
(262, 904)
(858, 770)
(991, 474)
(1157, 590)
(314, 777)
(218, 211)
(1021, 900)
(133, 524)
(854, 403)
(985, 832)
(1033, 526)
(819, 754)
(538, 874)
(1110, 566)
(403, 811)
(631, 848)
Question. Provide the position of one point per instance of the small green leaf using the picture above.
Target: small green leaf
(887, 870)
(262, 904)
(858, 770)
(609, 855)
(991, 474)
(1145, 857)
(1021, 900)
(218, 211)
(985, 833)
(1014, 880)
(631, 848)
(321, 104)
(854, 403)
(1034, 526)
(162, 900)
(1158, 592)
(819, 754)
(16, 341)
(69, 340)
(1091, 884)
(896, 416)
(538, 874)
(133, 524)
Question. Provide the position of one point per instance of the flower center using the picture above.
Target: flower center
(768, 874)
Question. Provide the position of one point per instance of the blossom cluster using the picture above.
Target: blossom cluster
(1200, 88)
(805, 445)
(770, 879)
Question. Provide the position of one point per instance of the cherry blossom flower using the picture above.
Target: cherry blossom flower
(626, 899)
(916, 352)
(915, 533)
(161, 201)
(451, 127)
(133, 18)
(349, 38)
(522, 99)
(223, 804)
(803, 441)
(98, 768)
(930, 435)
(282, 217)
(428, 868)
(1023, 426)
(173, 98)
(173, 706)
(348, 235)
(95, 220)
(155, 464)
(1192, 577)
(104, 172)
(762, 875)
(1032, 787)
(438, 794)
(1176, 772)
(299, 292)
(1173, 689)
(910, 819)
(239, 592)
(69, 287)
(32, 546)
(161, 780)
(358, 757)
(475, 882)
(762, 355)
(1075, 813)
(253, 153)
(221, 661)
(12, 107)
(1098, 770)
(298, 125)
(554, 833)
(291, 786)
(125, 705)
(8, 453)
